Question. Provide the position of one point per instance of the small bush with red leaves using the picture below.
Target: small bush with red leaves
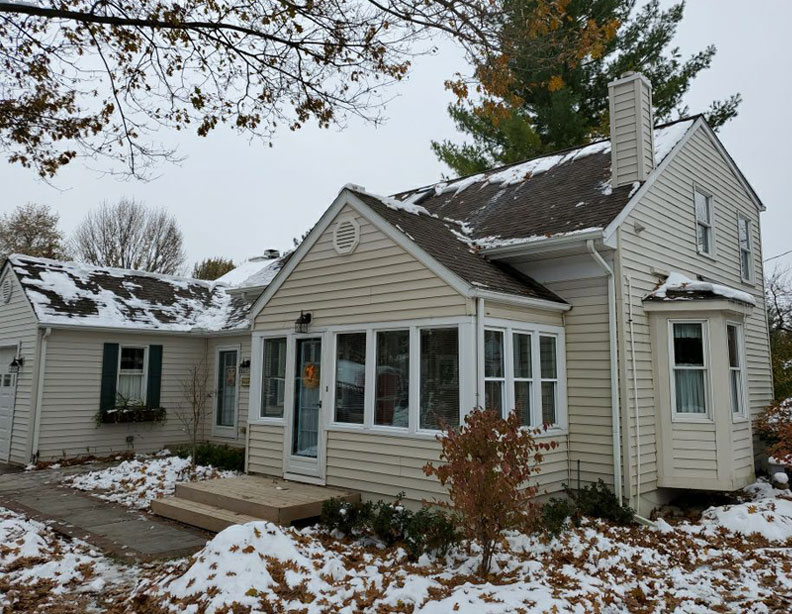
(488, 463)
(774, 426)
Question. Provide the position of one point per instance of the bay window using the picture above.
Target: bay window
(392, 380)
(689, 368)
(273, 381)
(439, 406)
(736, 369)
(350, 378)
(131, 385)
(494, 371)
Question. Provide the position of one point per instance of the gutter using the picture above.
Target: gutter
(39, 394)
(479, 351)
(194, 332)
(522, 301)
(544, 243)
(614, 368)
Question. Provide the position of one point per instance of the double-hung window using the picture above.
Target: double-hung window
(494, 371)
(523, 376)
(689, 369)
(746, 255)
(549, 374)
(704, 222)
(736, 369)
(131, 388)
(273, 384)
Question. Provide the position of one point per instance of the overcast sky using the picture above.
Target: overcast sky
(236, 198)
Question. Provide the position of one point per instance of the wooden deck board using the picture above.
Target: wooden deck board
(256, 497)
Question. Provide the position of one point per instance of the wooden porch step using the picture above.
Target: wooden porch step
(197, 514)
(276, 500)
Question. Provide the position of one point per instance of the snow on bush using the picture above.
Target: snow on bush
(135, 483)
(36, 564)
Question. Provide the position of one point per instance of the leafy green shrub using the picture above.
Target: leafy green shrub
(424, 531)
(598, 501)
(557, 515)
(352, 519)
(218, 456)
(593, 500)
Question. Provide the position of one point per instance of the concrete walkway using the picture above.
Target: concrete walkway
(117, 530)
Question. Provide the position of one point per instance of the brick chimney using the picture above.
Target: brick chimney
(631, 129)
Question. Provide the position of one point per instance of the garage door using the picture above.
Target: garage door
(7, 381)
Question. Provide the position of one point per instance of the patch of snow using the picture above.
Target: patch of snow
(769, 517)
(780, 477)
(135, 483)
(237, 277)
(665, 139)
(676, 282)
(496, 241)
(635, 187)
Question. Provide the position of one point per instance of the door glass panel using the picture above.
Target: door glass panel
(307, 397)
(226, 387)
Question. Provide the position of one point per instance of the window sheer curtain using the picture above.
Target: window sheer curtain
(689, 368)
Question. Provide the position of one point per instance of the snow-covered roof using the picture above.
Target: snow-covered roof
(72, 293)
(554, 195)
(254, 273)
(678, 287)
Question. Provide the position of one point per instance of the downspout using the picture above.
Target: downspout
(39, 394)
(635, 400)
(614, 368)
(479, 351)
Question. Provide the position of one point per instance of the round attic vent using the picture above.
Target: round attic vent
(5, 291)
(346, 235)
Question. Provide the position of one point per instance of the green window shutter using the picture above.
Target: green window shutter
(107, 396)
(154, 377)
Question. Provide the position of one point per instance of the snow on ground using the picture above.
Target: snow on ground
(718, 565)
(135, 483)
(37, 565)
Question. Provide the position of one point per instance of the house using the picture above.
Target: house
(612, 291)
(100, 356)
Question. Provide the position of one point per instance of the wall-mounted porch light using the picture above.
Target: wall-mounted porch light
(301, 324)
(16, 364)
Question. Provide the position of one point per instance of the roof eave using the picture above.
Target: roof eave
(551, 243)
(193, 332)
(522, 301)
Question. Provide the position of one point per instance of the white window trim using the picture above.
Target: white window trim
(129, 346)
(742, 415)
(226, 432)
(536, 330)
(256, 368)
(749, 279)
(706, 417)
(712, 253)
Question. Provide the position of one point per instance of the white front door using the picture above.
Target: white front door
(226, 392)
(7, 395)
(304, 442)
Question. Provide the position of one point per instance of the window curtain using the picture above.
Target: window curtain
(690, 391)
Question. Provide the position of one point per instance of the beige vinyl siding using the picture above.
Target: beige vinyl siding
(668, 243)
(378, 282)
(694, 452)
(18, 325)
(243, 341)
(517, 313)
(265, 449)
(382, 466)
(588, 377)
(72, 385)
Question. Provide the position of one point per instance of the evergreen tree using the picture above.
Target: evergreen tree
(32, 230)
(529, 107)
(212, 268)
